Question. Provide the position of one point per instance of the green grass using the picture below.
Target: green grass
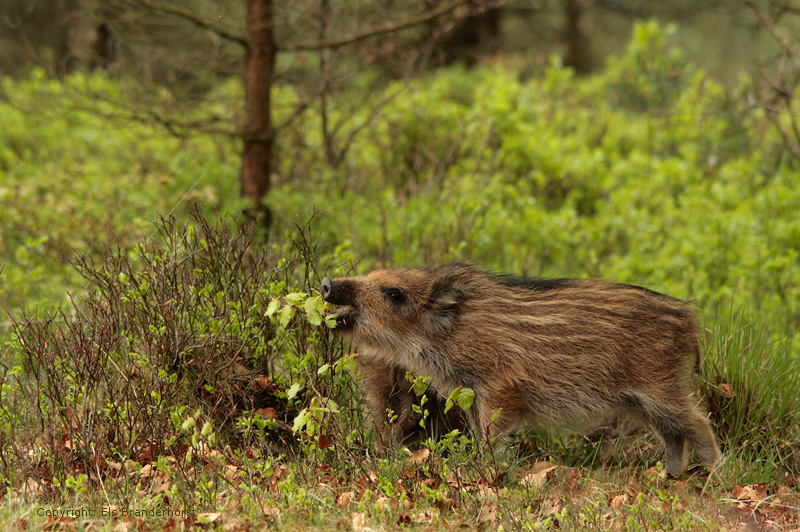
(753, 385)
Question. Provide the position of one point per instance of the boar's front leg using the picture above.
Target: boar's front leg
(387, 389)
(492, 417)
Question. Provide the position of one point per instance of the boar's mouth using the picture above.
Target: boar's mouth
(342, 294)
(345, 317)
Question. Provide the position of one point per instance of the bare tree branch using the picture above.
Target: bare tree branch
(784, 85)
(382, 30)
(789, 8)
(767, 22)
(194, 18)
(148, 115)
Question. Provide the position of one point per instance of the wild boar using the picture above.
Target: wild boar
(540, 351)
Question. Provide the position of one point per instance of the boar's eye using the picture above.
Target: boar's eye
(395, 295)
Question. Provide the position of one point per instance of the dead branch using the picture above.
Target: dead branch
(769, 24)
(193, 17)
(382, 30)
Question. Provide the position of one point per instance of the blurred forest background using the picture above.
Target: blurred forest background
(542, 137)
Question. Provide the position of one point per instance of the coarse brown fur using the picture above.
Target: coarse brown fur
(541, 351)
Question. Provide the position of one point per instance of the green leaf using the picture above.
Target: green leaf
(286, 315)
(464, 397)
(345, 363)
(314, 318)
(291, 393)
(314, 304)
(296, 298)
(273, 307)
(419, 384)
(300, 420)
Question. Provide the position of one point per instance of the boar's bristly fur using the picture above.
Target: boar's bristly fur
(542, 351)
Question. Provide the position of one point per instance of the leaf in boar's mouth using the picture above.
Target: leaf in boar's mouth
(345, 316)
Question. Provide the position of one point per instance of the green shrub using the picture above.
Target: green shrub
(188, 334)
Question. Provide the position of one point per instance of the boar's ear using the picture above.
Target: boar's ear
(444, 301)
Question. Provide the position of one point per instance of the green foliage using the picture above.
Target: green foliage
(650, 75)
(183, 323)
(76, 166)
(463, 397)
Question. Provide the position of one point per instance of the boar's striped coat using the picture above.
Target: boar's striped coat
(542, 351)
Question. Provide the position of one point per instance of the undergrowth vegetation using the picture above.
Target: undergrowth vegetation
(164, 361)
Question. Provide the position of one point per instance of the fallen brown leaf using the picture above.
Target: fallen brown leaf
(260, 383)
(551, 506)
(33, 488)
(207, 518)
(619, 501)
(419, 457)
(232, 473)
(384, 503)
(488, 512)
(233, 525)
(149, 452)
(165, 485)
(170, 525)
(268, 412)
(343, 500)
(272, 511)
(542, 471)
(572, 479)
(753, 494)
(60, 524)
(422, 518)
(357, 520)
(148, 471)
(727, 391)
(361, 483)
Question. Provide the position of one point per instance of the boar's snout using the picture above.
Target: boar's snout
(337, 292)
(326, 288)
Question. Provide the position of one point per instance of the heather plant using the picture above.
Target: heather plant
(176, 339)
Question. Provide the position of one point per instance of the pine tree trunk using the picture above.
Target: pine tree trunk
(257, 127)
(577, 55)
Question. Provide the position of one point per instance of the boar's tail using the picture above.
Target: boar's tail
(698, 359)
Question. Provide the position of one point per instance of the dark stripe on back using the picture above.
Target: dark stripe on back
(533, 283)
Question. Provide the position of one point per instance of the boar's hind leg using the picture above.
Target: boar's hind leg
(675, 444)
(702, 438)
(678, 424)
(688, 424)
